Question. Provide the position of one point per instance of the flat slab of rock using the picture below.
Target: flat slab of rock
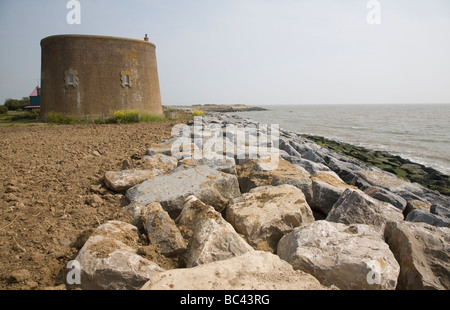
(345, 167)
(306, 164)
(423, 253)
(108, 259)
(255, 270)
(407, 190)
(267, 213)
(355, 207)
(213, 187)
(119, 181)
(211, 238)
(385, 180)
(224, 164)
(161, 229)
(386, 196)
(347, 256)
(262, 172)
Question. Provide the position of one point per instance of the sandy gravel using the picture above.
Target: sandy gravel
(52, 194)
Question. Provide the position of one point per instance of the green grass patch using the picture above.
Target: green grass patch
(62, 119)
(151, 118)
(120, 117)
(32, 115)
(19, 118)
(134, 116)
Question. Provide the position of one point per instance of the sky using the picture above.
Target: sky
(254, 52)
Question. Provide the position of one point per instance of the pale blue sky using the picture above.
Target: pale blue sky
(256, 52)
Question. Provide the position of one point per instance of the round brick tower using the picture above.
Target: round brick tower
(93, 76)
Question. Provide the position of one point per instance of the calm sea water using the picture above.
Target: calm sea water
(420, 133)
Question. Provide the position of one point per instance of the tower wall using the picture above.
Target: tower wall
(92, 76)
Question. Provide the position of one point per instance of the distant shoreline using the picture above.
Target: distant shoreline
(216, 108)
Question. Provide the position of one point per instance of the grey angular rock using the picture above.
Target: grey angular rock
(436, 198)
(255, 270)
(355, 207)
(267, 213)
(211, 238)
(390, 182)
(347, 256)
(108, 259)
(302, 145)
(407, 190)
(314, 156)
(309, 166)
(416, 204)
(211, 186)
(440, 210)
(386, 196)
(285, 146)
(161, 229)
(345, 168)
(423, 253)
(420, 215)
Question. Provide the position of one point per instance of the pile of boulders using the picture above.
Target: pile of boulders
(314, 220)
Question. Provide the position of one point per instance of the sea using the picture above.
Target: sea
(420, 133)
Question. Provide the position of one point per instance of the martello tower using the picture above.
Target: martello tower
(92, 76)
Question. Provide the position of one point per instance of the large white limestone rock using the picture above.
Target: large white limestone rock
(347, 256)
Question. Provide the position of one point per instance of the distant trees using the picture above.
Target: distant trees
(3, 109)
(14, 104)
